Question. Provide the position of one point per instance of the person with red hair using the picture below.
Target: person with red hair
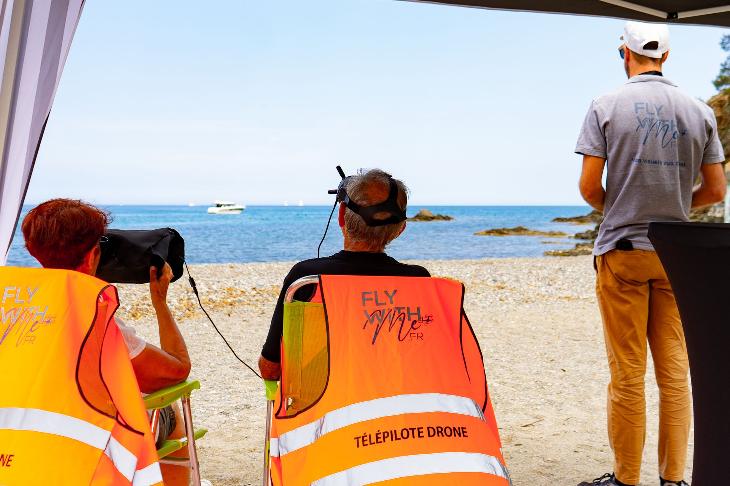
(66, 234)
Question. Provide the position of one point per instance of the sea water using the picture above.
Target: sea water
(278, 233)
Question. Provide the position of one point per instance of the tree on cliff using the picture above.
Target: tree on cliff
(720, 104)
(722, 81)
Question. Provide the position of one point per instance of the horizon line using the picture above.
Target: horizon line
(329, 205)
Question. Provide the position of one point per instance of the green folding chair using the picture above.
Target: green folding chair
(161, 399)
(304, 340)
(271, 387)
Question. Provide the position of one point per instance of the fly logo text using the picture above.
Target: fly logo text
(20, 319)
(383, 312)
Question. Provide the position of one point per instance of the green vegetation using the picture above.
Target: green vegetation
(722, 81)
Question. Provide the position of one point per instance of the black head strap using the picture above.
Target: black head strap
(390, 205)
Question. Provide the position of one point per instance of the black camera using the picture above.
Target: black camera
(127, 255)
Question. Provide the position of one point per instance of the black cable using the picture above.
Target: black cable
(195, 291)
(327, 227)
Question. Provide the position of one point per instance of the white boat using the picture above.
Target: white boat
(226, 207)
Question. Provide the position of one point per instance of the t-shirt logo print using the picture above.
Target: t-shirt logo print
(382, 311)
(653, 127)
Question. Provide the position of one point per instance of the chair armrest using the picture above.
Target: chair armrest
(172, 445)
(271, 388)
(166, 396)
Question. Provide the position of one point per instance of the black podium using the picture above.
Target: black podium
(696, 258)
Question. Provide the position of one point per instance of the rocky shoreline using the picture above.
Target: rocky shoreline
(583, 247)
(588, 237)
(712, 214)
(594, 217)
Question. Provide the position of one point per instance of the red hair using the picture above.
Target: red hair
(59, 233)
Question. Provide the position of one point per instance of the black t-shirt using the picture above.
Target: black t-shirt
(341, 263)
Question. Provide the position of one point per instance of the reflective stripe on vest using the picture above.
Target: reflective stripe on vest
(369, 410)
(148, 476)
(123, 460)
(418, 465)
(42, 421)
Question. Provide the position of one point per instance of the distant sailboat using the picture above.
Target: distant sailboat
(300, 203)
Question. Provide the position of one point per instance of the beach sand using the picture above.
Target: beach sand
(538, 326)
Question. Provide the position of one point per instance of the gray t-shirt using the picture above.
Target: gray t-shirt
(654, 139)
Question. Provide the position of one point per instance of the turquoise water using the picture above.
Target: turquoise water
(276, 233)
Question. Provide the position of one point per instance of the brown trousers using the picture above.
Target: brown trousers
(637, 305)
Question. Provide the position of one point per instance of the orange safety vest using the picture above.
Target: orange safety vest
(405, 400)
(70, 407)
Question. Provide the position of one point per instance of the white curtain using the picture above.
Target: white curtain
(35, 36)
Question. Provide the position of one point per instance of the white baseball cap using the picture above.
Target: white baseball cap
(650, 40)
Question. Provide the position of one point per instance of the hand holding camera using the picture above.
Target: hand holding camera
(159, 285)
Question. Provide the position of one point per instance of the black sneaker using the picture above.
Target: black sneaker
(607, 479)
(664, 482)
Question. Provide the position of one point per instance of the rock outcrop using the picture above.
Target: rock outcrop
(593, 217)
(720, 104)
(579, 249)
(426, 215)
(584, 247)
(590, 235)
(520, 231)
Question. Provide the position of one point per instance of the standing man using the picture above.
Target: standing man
(655, 142)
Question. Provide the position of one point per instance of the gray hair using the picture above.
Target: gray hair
(366, 189)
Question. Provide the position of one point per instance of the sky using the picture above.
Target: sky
(177, 102)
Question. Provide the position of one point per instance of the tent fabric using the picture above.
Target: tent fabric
(35, 37)
(698, 12)
(696, 258)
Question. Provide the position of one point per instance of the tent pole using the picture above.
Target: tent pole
(9, 81)
(8, 91)
(638, 8)
(703, 11)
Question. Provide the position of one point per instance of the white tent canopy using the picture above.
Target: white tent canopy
(35, 37)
